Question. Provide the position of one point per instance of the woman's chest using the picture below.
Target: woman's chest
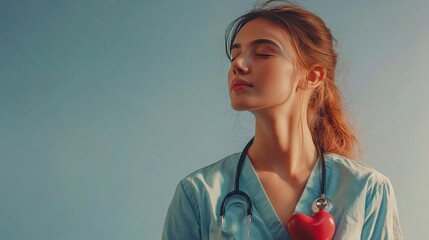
(283, 195)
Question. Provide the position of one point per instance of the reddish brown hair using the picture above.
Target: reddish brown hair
(313, 43)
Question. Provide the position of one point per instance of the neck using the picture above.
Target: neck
(283, 145)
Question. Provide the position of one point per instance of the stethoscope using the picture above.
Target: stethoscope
(321, 203)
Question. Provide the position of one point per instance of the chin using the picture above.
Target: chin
(240, 106)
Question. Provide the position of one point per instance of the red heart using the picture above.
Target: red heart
(320, 226)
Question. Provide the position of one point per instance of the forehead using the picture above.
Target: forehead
(260, 28)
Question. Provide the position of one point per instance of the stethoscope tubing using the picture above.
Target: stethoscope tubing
(236, 190)
(322, 200)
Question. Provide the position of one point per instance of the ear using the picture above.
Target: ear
(316, 75)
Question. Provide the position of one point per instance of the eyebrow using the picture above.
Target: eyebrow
(255, 43)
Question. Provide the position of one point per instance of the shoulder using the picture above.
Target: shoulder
(212, 174)
(364, 196)
(346, 169)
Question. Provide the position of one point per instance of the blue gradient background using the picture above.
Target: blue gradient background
(106, 105)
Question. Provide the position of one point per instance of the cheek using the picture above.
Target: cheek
(279, 74)
(279, 80)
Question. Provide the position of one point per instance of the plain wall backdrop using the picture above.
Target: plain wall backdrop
(105, 105)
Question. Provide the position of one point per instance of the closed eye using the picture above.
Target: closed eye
(259, 55)
(263, 55)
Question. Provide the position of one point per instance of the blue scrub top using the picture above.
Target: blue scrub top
(364, 205)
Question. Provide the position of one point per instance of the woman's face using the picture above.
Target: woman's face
(262, 73)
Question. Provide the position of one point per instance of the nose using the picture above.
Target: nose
(239, 66)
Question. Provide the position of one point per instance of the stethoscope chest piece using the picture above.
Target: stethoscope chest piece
(321, 203)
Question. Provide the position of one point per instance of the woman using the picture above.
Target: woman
(283, 72)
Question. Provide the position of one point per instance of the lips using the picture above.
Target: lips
(238, 84)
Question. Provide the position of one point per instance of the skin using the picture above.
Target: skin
(283, 153)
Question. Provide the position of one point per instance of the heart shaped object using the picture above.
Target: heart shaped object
(320, 226)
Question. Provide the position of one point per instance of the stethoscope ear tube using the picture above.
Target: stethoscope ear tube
(237, 191)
